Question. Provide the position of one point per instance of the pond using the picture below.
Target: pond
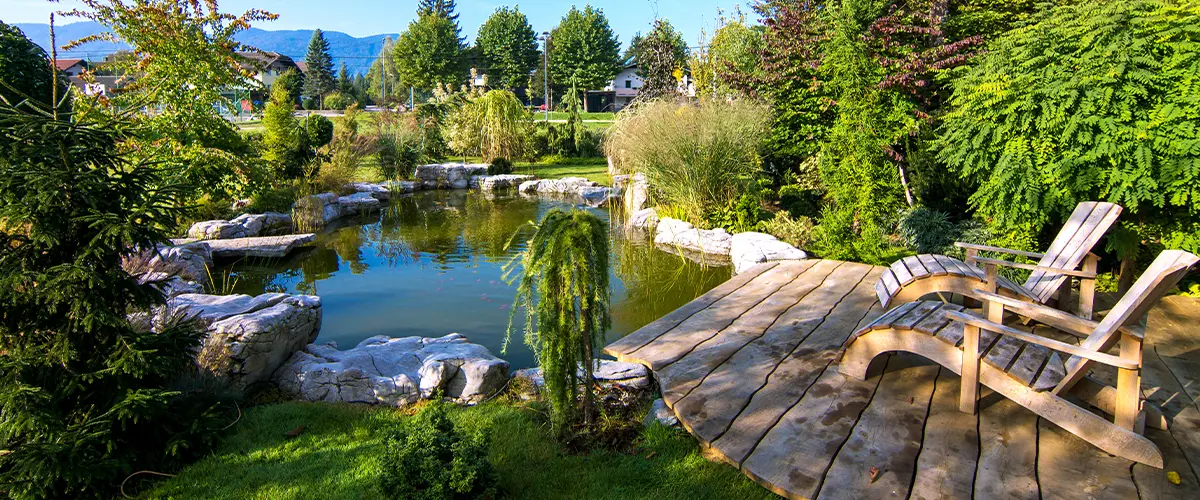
(432, 263)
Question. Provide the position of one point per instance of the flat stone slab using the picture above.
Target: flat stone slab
(498, 182)
(264, 246)
(394, 371)
(243, 226)
(674, 233)
(749, 249)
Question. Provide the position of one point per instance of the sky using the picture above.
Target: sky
(368, 17)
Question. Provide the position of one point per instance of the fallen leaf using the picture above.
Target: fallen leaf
(1173, 477)
(874, 474)
(295, 432)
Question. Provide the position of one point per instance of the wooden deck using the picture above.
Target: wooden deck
(750, 369)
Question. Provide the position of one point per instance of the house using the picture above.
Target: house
(302, 66)
(619, 93)
(269, 65)
(72, 67)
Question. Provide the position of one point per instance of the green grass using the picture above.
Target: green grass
(559, 115)
(594, 169)
(337, 457)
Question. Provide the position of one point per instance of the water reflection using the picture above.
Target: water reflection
(431, 263)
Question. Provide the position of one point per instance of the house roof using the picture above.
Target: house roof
(303, 66)
(267, 59)
(63, 64)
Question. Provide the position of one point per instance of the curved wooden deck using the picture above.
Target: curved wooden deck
(750, 369)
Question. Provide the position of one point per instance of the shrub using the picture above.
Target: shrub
(87, 397)
(797, 231)
(738, 216)
(1095, 101)
(799, 201)
(500, 166)
(318, 130)
(284, 142)
(694, 157)
(429, 458)
(494, 125)
(338, 100)
(926, 230)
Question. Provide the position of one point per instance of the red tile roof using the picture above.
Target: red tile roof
(63, 64)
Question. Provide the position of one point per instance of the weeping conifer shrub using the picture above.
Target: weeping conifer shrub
(565, 293)
(87, 398)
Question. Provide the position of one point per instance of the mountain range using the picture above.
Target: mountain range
(357, 53)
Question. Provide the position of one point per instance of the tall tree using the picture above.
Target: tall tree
(345, 84)
(443, 8)
(318, 81)
(658, 56)
(583, 46)
(383, 77)
(507, 48)
(428, 53)
(23, 68)
(734, 51)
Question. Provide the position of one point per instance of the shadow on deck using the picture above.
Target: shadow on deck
(750, 369)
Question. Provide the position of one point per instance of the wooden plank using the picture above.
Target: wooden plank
(954, 266)
(945, 468)
(679, 378)
(703, 325)
(655, 329)
(916, 315)
(887, 436)
(1003, 352)
(1152, 483)
(931, 264)
(1007, 450)
(936, 321)
(885, 321)
(903, 275)
(882, 294)
(1052, 373)
(743, 398)
(951, 334)
(1029, 363)
(1066, 233)
(794, 454)
(1077, 248)
(915, 267)
(1070, 468)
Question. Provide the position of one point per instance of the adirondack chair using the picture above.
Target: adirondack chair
(1028, 368)
(911, 278)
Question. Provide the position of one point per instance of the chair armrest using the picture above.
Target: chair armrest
(986, 248)
(1074, 350)
(1066, 322)
(1033, 267)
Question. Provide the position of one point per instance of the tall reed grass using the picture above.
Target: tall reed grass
(694, 156)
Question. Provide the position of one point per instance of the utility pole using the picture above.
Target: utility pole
(546, 73)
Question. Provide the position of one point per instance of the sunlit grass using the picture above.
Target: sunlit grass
(337, 457)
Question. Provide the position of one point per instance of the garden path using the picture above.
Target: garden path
(750, 368)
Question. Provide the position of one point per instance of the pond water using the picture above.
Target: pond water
(432, 263)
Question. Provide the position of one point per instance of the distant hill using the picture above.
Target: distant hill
(357, 53)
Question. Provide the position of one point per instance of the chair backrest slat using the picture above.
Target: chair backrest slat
(1081, 232)
(1162, 275)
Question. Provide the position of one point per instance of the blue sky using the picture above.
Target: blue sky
(368, 17)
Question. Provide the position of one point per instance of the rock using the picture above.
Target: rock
(380, 192)
(590, 192)
(748, 249)
(498, 182)
(661, 414)
(171, 285)
(190, 261)
(215, 230)
(635, 192)
(358, 203)
(276, 223)
(403, 186)
(394, 371)
(244, 226)
(676, 233)
(448, 175)
(273, 247)
(241, 203)
(248, 338)
(319, 209)
(608, 373)
(646, 218)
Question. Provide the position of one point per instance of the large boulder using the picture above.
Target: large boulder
(271, 247)
(749, 249)
(358, 203)
(590, 192)
(635, 191)
(394, 371)
(247, 338)
(645, 219)
(674, 233)
(448, 175)
(607, 373)
(243, 226)
(498, 182)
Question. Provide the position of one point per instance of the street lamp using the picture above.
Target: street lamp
(546, 73)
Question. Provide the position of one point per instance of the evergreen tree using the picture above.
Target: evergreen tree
(584, 46)
(428, 53)
(565, 294)
(283, 140)
(345, 84)
(293, 81)
(385, 65)
(23, 68)
(87, 397)
(441, 8)
(318, 81)
(507, 48)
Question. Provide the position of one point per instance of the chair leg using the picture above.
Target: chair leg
(968, 394)
(1129, 384)
(1087, 287)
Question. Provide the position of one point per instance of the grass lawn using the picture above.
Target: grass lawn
(594, 169)
(337, 457)
(560, 115)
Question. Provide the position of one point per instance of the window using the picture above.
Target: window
(628, 84)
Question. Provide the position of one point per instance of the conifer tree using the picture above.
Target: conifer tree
(318, 81)
(86, 397)
(441, 8)
(564, 290)
(345, 84)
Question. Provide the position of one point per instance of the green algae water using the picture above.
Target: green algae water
(432, 263)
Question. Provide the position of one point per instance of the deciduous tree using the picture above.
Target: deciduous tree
(660, 54)
(428, 53)
(583, 46)
(507, 48)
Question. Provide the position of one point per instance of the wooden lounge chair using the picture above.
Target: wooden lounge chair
(1028, 368)
(911, 278)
